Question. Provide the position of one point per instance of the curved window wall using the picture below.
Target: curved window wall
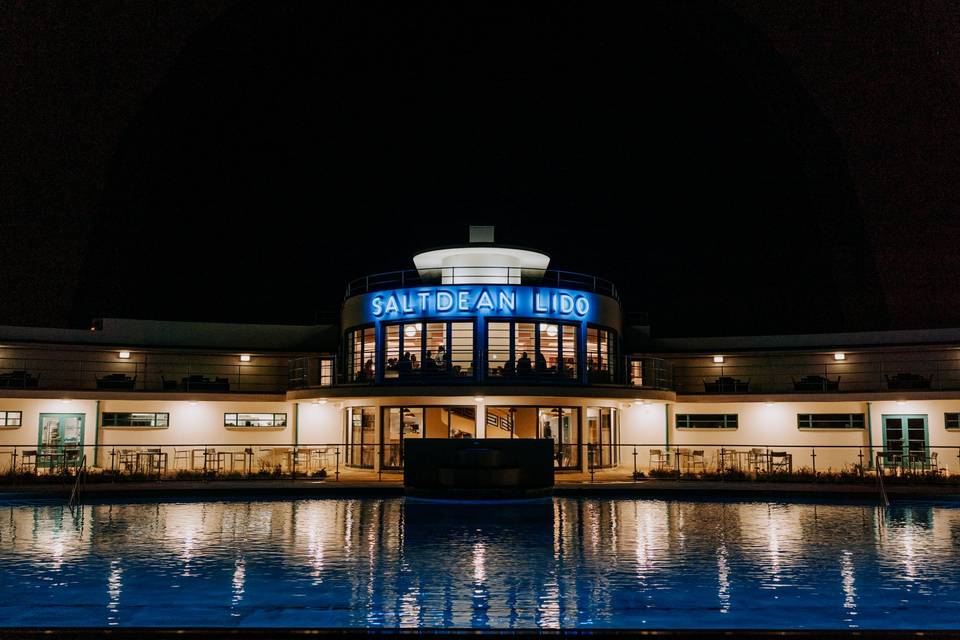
(417, 349)
(531, 349)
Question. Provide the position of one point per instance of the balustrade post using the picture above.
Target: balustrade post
(813, 457)
(860, 458)
(336, 475)
(634, 463)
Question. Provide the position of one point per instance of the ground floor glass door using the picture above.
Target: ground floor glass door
(60, 440)
(601, 437)
(399, 423)
(360, 436)
(562, 426)
(905, 439)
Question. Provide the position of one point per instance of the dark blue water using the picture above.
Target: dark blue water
(591, 563)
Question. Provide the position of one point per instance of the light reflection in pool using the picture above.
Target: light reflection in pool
(549, 564)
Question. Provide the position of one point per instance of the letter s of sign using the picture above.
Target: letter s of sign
(377, 304)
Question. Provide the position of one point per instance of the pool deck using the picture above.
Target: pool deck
(369, 485)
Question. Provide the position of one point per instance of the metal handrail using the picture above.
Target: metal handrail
(81, 475)
(485, 274)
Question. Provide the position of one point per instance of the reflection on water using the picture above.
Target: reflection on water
(549, 564)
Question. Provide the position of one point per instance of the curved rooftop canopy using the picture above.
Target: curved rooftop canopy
(481, 261)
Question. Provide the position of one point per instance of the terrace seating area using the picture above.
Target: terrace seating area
(726, 384)
(197, 382)
(19, 380)
(816, 383)
(117, 381)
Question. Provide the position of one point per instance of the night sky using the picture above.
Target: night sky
(736, 167)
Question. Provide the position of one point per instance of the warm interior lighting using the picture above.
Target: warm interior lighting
(839, 355)
(124, 355)
(245, 357)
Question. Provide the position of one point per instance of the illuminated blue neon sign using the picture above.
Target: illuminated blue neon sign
(474, 300)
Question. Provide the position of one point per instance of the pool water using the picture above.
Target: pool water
(589, 563)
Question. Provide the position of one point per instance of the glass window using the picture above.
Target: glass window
(10, 419)
(255, 420)
(706, 421)
(951, 421)
(561, 425)
(436, 359)
(601, 436)
(148, 420)
(601, 354)
(511, 422)
(569, 351)
(430, 349)
(499, 361)
(391, 353)
(830, 421)
(461, 348)
(361, 423)
(399, 423)
(361, 355)
(450, 422)
(532, 349)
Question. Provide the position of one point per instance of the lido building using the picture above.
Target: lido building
(477, 341)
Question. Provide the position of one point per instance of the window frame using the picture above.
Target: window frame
(237, 425)
(128, 425)
(5, 417)
(357, 377)
(512, 322)
(813, 417)
(725, 417)
(448, 347)
(947, 420)
(613, 353)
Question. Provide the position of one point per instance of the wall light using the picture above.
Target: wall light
(66, 401)
(769, 404)
(478, 400)
(718, 359)
(901, 402)
(839, 355)
(244, 357)
(193, 403)
(124, 355)
(320, 401)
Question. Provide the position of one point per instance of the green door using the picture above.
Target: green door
(906, 435)
(60, 440)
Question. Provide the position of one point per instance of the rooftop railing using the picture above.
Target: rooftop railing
(911, 373)
(482, 275)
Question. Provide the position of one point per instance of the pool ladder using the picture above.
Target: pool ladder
(883, 489)
(79, 483)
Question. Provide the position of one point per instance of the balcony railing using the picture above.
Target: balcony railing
(482, 275)
(39, 369)
(638, 372)
(902, 375)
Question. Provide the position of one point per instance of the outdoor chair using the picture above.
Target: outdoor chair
(28, 461)
(755, 459)
(697, 460)
(781, 461)
(658, 458)
(183, 455)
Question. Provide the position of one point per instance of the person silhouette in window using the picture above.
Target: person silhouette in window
(541, 363)
(523, 364)
(404, 365)
(429, 364)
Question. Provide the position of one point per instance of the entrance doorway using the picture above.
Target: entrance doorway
(905, 437)
(60, 439)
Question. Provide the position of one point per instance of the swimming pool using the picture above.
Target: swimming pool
(562, 562)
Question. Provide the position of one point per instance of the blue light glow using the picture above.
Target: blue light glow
(476, 300)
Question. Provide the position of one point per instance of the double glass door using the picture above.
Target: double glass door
(905, 440)
(60, 439)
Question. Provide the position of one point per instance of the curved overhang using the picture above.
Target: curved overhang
(481, 263)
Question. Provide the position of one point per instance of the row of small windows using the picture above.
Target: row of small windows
(804, 421)
(157, 420)
(514, 349)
